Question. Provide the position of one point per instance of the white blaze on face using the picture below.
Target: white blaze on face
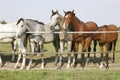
(66, 16)
(54, 20)
(64, 25)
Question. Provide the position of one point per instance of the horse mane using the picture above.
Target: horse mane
(36, 21)
(70, 12)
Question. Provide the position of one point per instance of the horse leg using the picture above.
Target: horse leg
(14, 45)
(102, 57)
(56, 45)
(19, 55)
(61, 51)
(76, 46)
(94, 49)
(18, 60)
(32, 47)
(1, 61)
(83, 55)
(23, 50)
(86, 45)
(114, 47)
(107, 55)
(69, 54)
(42, 55)
(88, 56)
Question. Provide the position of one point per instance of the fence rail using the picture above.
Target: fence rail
(66, 32)
(59, 52)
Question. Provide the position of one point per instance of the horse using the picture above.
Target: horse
(84, 38)
(106, 39)
(13, 44)
(38, 38)
(58, 19)
(8, 35)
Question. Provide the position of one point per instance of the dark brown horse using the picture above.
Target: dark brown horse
(106, 39)
(83, 38)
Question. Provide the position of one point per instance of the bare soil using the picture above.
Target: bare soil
(49, 63)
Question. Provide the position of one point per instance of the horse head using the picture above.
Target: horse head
(21, 27)
(54, 19)
(68, 18)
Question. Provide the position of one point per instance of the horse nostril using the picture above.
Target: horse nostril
(17, 36)
(52, 28)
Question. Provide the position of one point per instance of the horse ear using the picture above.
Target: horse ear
(56, 11)
(52, 11)
(21, 19)
(64, 11)
(72, 11)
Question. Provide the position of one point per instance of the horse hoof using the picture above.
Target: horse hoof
(27, 68)
(87, 60)
(55, 64)
(101, 66)
(42, 67)
(113, 61)
(59, 67)
(15, 67)
(21, 68)
(82, 68)
(74, 66)
(68, 66)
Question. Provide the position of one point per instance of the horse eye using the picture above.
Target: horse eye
(21, 25)
(58, 18)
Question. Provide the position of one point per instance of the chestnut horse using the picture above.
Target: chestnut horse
(106, 39)
(84, 38)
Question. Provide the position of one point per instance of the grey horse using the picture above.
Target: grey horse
(37, 38)
(58, 19)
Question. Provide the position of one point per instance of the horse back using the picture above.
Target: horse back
(108, 37)
(91, 26)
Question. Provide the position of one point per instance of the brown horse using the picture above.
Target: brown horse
(84, 38)
(106, 39)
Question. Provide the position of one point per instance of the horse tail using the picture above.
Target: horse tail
(110, 47)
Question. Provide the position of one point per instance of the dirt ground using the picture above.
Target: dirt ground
(49, 63)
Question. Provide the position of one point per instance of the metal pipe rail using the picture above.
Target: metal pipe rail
(78, 32)
(67, 32)
(59, 52)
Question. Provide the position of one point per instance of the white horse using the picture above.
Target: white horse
(13, 43)
(58, 19)
(8, 35)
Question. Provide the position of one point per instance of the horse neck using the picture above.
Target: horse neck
(77, 24)
(60, 23)
(96, 36)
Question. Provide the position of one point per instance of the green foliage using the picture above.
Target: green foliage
(3, 22)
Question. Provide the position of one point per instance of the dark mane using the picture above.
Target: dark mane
(36, 21)
(68, 12)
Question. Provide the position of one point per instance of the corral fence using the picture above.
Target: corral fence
(65, 33)
(31, 55)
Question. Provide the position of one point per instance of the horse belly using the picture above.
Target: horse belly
(7, 35)
(6, 40)
(48, 38)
